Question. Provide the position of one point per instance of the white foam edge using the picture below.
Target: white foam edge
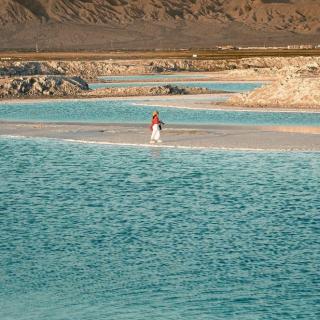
(161, 146)
(226, 109)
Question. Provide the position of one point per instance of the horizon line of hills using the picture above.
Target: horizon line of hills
(157, 23)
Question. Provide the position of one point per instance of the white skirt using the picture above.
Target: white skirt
(155, 132)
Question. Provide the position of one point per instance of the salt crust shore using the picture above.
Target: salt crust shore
(292, 91)
(290, 87)
(268, 138)
(217, 106)
(286, 89)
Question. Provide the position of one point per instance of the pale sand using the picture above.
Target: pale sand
(278, 138)
(207, 102)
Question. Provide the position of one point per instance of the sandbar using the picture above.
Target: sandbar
(231, 137)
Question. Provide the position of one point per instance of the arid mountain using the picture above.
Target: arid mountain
(111, 24)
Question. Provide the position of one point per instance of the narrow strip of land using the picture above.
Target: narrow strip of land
(280, 138)
(196, 54)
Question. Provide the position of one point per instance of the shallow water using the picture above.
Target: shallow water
(154, 77)
(126, 111)
(96, 232)
(212, 85)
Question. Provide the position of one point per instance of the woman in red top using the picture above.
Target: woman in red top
(155, 127)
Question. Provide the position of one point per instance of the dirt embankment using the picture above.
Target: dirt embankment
(70, 87)
(41, 86)
(289, 92)
(146, 91)
(295, 88)
(84, 69)
(272, 66)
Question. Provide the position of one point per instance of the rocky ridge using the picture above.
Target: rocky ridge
(93, 69)
(291, 91)
(85, 69)
(146, 91)
(41, 86)
(60, 86)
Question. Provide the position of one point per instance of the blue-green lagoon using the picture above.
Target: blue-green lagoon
(130, 111)
(156, 76)
(212, 85)
(98, 232)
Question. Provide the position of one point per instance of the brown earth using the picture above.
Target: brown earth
(147, 24)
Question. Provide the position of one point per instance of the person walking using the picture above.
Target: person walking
(155, 127)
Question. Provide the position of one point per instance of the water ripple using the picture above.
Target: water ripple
(97, 232)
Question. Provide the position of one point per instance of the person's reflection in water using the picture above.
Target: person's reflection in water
(155, 153)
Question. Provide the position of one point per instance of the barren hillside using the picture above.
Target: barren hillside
(112, 24)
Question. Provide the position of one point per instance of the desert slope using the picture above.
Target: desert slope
(112, 24)
(291, 15)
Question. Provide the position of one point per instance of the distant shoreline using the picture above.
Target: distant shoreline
(201, 54)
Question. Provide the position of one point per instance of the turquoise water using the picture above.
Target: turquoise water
(224, 86)
(117, 111)
(95, 232)
(153, 77)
